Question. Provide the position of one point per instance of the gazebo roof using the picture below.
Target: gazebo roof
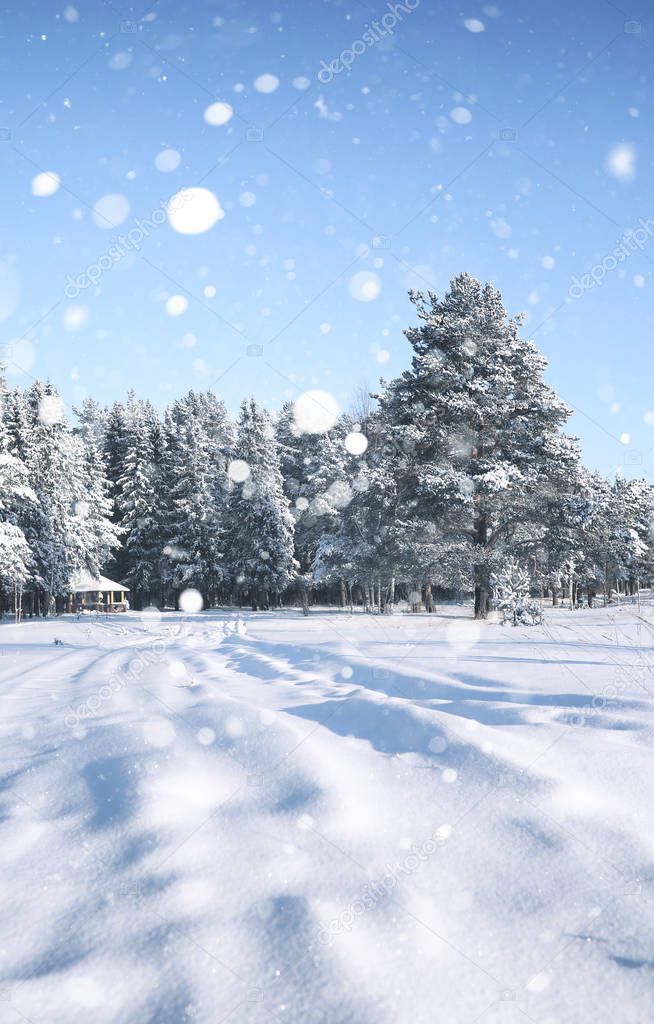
(87, 584)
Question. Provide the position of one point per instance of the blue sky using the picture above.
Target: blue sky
(507, 140)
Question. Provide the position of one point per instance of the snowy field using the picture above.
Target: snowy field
(362, 819)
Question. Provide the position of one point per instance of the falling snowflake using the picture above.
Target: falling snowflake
(45, 184)
(266, 83)
(167, 160)
(111, 210)
(51, 410)
(356, 442)
(158, 732)
(217, 114)
(365, 286)
(176, 305)
(315, 412)
(192, 211)
(461, 115)
(621, 162)
(238, 471)
(190, 600)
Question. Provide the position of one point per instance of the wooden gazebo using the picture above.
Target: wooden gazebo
(97, 594)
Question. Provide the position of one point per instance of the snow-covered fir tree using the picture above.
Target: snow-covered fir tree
(511, 588)
(374, 537)
(16, 496)
(259, 536)
(300, 461)
(482, 427)
(198, 444)
(142, 501)
(320, 479)
(66, 525)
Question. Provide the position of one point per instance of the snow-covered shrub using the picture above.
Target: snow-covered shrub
(511, 592)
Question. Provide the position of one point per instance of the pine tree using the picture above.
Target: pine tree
(141, 521)
(115, 445)
(369, 536)
(198, 442)
(481, 425)
(511, 585)
(259, 540)
(15, 498)
(67, 524)
(319, 480)
(300, 461)
(613, 550)
(140, 496)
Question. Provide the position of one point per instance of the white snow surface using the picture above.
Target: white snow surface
(265, 817)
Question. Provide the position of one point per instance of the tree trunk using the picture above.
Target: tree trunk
(482, 599)
(480, 527)
(482, 582)
(429, 598)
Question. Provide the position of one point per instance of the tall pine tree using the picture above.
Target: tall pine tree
(259, 540)
(482, 427)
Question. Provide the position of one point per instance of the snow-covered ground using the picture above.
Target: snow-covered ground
(331, 819)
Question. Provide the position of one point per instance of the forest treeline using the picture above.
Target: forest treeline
(450, 472)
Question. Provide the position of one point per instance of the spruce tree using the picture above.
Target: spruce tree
(67, 525)
(481, 427)
(16, 496)
(259, 540)
(198, 442)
